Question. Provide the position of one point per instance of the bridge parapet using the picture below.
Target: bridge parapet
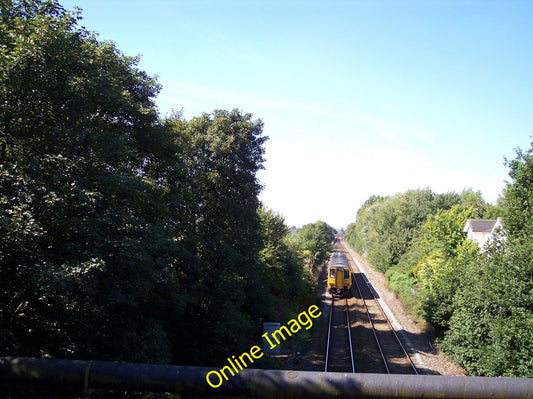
(85, 375)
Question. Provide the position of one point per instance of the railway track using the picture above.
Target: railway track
(339, 350)
(378, 346)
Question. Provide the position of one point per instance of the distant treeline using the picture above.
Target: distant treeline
(479, 302)
(125, 235)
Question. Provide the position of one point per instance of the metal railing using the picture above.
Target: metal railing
(84, 375)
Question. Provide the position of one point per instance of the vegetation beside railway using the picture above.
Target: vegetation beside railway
(125, 235)
(479, 303)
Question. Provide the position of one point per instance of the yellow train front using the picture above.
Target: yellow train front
(339, 275)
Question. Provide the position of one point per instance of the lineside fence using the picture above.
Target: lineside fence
(83, 376)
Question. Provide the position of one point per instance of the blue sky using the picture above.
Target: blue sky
(358, 97)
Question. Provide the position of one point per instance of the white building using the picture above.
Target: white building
(482, 230)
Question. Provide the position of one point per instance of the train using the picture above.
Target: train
(339, 275)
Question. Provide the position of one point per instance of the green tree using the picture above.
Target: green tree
(385, 227)
(417, 239)
(440, 277)
(315, 242)
(124, 236)
(284, 274)
(518, 195)
(219, 224)
(84, 248)
(444, 229)
(491, 327)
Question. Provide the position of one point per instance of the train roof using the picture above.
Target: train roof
(338, 265)
(338, 259)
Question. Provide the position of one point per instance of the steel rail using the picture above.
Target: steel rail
(352, 357)
(393, 330)
(348, 326)
(329, 334)
(406, 354)
(372, 325)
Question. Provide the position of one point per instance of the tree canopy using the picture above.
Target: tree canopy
(476, 300)
(491, 327)
(125, 235)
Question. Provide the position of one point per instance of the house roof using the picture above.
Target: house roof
(481, 225)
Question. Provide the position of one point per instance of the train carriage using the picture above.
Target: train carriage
(339, 275)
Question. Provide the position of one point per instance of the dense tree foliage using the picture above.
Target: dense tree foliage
(314, 242)
(386, 226)
(123, 235)
(79, 210)
(478, 301)
(491, 328)
(285, 275)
